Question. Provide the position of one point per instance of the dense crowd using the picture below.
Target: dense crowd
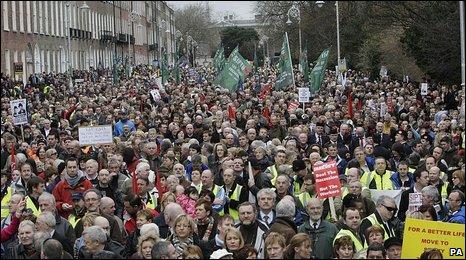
(195, 171)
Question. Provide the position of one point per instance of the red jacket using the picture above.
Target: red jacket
(63, 192)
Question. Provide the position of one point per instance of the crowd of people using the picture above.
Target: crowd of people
(195, 171)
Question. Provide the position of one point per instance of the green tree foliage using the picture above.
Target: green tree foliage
(245, 38)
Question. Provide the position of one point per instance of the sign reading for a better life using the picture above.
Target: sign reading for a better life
(327, 180)
(420, 235)
(95, 135)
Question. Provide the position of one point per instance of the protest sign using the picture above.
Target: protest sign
(395, 194)
(19, 111)
(415, 201)
(420, 235)
(327, 180)
(95, 135)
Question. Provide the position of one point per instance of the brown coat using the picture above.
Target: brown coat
(284, 226)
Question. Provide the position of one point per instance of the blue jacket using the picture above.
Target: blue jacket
(456, 217)
(395, 178)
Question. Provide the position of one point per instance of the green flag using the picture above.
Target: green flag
(285, 66)
(235, 68)
(219, 59)
(318, 72)
(176, 68)
(256, 60)
(164, 66)
(304, 65)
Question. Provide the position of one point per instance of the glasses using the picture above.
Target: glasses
(391, 209)
(454, 177)
(53, 154)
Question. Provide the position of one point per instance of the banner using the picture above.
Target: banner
(327, 180)
(420, 235)
(304, 66)
(285, 66)
(19, 111)
(102, 134)
(318, 72)
(236, 68)
(395, 194)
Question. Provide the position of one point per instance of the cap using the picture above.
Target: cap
(77, 196)
(393, 241)
(217, 254)
(298, 165)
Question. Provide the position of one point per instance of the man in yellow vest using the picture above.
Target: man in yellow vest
(207, 179)
(351, 227)
(379, 178)
(5, 191)
(385, 212)
(234, 194)
(272, 171)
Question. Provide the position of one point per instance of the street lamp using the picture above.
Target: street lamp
(132, 17)
(320, 4)
(188, 40)
(83, 6)
(194, 46)
(295, 13)
(265, 40)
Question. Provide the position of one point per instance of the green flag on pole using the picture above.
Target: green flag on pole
(219, 59)
(318, 72)
(164, 66)
(285, 66)
(235, 68)
(176, 68)
(304, 65)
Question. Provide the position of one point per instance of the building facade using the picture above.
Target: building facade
(52, 36)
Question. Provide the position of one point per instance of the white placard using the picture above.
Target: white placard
(155, 94)
(303, 94)
(395, 194)
(19, 111)
(95, 135)
(415, 201)
(424, 89)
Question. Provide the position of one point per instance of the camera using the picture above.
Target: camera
(27, 211)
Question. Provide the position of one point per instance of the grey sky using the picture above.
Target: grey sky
(240, 9)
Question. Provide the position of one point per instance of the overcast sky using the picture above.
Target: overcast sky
(241, 10)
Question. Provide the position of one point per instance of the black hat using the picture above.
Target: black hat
(393, 241)
(298, 165)
(333, 131)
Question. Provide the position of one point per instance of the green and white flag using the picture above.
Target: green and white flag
(219, 59)
(318, 72)
(235, 68)
(165, 72)
(285, 66)
(304, 66)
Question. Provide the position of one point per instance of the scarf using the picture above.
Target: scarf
(73, 181)
(207, 221)
(180, 247)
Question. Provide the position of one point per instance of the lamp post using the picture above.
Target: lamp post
(188, 40)
(194, 46)
(320, 4)
(295, 13)
(83, 6)
(132, 17)
(178, 39)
